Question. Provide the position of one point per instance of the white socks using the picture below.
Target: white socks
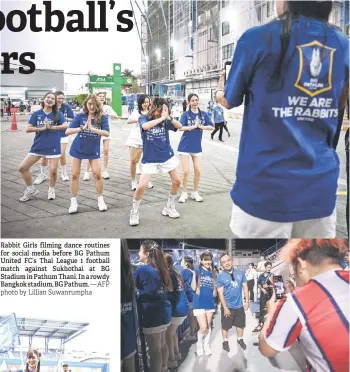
(200, 337)
(207, 337)
(136, 204)
(43, 169)
(171, 200)
(31, 188)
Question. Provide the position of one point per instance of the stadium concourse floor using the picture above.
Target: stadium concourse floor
(237, 360)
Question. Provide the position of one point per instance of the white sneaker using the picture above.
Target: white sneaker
(27, 195)
(171, 212)
(73, 206)
(51, 194)
(172, 364)
(64, 177)
(183, 197)
(101, 205)
(40, 179)
(207, 350)
(133, 185)
(150, 185)
(138, 168)
(200, 350)
(178, 356)
(195, 196)
(134, 218)
(86, 176)
(105, 174)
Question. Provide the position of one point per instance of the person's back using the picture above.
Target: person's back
(321, 310)
(287, 168)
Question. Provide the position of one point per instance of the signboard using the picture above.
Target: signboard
(101, 79)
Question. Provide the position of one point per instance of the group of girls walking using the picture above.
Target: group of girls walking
(155, 123)
(165, 298)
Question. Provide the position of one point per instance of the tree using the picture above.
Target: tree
(128, 73)
(80, 98)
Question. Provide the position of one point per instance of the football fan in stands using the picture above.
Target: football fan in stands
(317, 313)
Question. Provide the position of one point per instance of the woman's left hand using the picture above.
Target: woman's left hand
(221, 83)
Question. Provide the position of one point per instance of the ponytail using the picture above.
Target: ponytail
(157, 261)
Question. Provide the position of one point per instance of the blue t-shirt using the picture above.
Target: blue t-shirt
(128, 330)
(191, 141)
(187, 277)
(156, 142)
(218, 114)
(232, 289)
(86, 144)
(131, 105)
(205, 300)
(154, 307)
(287, 168)
(47, 142)
(177, 298)
(67, 113)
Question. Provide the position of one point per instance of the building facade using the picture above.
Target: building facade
(32, 86)
(186, 43)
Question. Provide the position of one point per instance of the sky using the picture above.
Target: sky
(78, 52)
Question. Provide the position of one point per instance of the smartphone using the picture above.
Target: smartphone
(278, 286)
(227, 69)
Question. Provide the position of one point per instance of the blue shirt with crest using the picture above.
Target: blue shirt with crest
(156, 142)
(232, 288)
(86, 144)
(47, 142)
(191, 141)
(287, 168)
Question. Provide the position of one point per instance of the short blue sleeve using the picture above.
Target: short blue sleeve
(208, 120)
(184, 119)
(61, 118)
(104, 123)
(142, 120)
(187, 275)
(259, 279)
(75, 123)
(219, 281)
(70, 112)
(32, 119)
(241, 71)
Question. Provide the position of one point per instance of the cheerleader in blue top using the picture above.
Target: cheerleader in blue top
(193, 121)
(69, 115)
(153, 281)
(187, 275)
(180, 310)
(291, 74)
(128, 327)
(204, 285)
(158, 156)
(46, 124)
(89, 127)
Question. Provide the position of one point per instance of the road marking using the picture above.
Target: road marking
(222, 145)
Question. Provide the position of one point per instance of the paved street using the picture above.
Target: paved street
(40, 218)
(238, 360)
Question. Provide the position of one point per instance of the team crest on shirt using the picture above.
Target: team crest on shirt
(315, 68)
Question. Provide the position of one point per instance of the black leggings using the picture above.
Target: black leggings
(251, 289)
(218, 126)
